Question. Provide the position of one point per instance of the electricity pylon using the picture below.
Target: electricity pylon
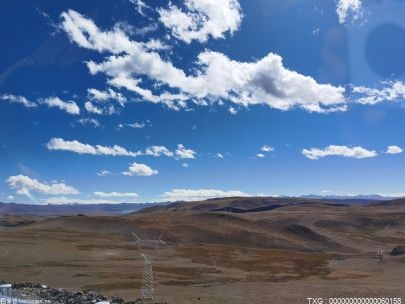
(148, 284)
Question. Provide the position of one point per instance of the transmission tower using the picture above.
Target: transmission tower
(148, 284)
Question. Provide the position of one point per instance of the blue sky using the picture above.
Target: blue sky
(137, 101)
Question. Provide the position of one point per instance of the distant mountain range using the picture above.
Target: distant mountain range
(367, 197)
(69, 209)
(45, 211)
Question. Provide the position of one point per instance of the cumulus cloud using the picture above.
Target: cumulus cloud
(140, 170)
(350, 9)
(158, 151)
(68, 106)
(24, 184)
(199, 194)
(390, 91)
(183, 153)
(260, 155)
(215, 76)
(201, 19)
(393, 150)
(332, 150)
(18, 99)
(116, 194)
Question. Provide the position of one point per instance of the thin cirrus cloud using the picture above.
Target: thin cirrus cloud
(215, 77)
(333, 150)
(201, 19)
(59, 144)
(140, 170)
(24, 184)
(199, 194)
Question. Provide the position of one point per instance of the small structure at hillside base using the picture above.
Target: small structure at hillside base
(148, 284)
(380, 255)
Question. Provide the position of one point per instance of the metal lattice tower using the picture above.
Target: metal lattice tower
(148, 284)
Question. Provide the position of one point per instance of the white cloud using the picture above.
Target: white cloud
(199, 194)
(260, 155)
(201, 19)
(10, 198)
(103, 110)
(116, 194)
(158, 151)
(68, 106)
(267, 148)
(64, 200)
(140, 6)
(232, 110)
(332, 150)
(104, 173)
(134, 125)
(140, 170)
(393, 91)
(142, 31)
(59, 144)
(18, 99)
(89, 121)
(109, 94)
(394, 150)
(183, 153)
(215, 76)
(352, 9)
(185, 165)
(219, 155)
(24, 184)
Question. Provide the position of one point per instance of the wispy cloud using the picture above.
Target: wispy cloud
(70, 106)
(333, 150)
(199, 194)
(116, 194)
(18, 99)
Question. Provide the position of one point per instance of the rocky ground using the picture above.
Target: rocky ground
(48, 295)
